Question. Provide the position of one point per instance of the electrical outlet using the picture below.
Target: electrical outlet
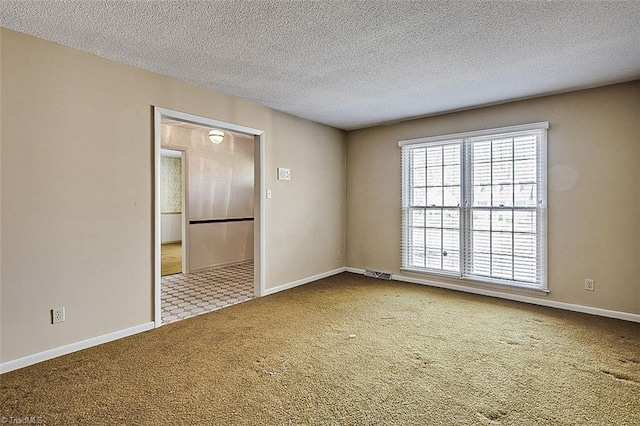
(284, 174)
(57, 315)
(589, 284)
(338, 255)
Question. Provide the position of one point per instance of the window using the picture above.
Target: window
(474, 205)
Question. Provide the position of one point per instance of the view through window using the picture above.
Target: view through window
(474, 205)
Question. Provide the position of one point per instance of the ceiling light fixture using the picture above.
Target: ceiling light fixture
(216, 136)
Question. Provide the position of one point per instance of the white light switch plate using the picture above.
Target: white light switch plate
(284, 174)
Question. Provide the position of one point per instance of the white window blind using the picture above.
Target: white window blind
(474, 205)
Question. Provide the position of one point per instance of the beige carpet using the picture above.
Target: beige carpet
(171, 258)
(349, 350)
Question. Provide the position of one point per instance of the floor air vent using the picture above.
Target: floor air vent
(377, 274)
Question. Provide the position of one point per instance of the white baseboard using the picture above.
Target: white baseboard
(269, 291)
(15, 364)
(218, 265)
(73, 347)
(517, 297)
(94, 341)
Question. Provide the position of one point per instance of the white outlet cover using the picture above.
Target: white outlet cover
(58, 315)
(284, 174)
(589, 284)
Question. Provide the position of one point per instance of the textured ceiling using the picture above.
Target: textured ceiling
(353, 64)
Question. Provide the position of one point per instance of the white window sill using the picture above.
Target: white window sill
(475, 281)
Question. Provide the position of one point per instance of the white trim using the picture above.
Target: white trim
(157, 216)
(627, 316)
(15, 364)
(304, 281)
(219, 265)
(170, 152)
(186, 236)
(259, 224)
(486, 132)
(209, 122)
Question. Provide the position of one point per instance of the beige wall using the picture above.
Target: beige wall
(170, 227)
(221, 181)
(77, 176)
(593, 196)
(77, 185)
(221, 186)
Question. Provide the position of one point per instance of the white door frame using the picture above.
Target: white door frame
(259, 205)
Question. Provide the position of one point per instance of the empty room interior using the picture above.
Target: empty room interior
(206, 219)
(320, 212)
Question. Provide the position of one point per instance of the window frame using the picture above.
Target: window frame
(466, 140)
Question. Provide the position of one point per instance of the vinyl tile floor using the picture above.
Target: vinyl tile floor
(185, 296)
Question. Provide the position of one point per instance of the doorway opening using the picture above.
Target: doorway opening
(222, 215)
(172, 211)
